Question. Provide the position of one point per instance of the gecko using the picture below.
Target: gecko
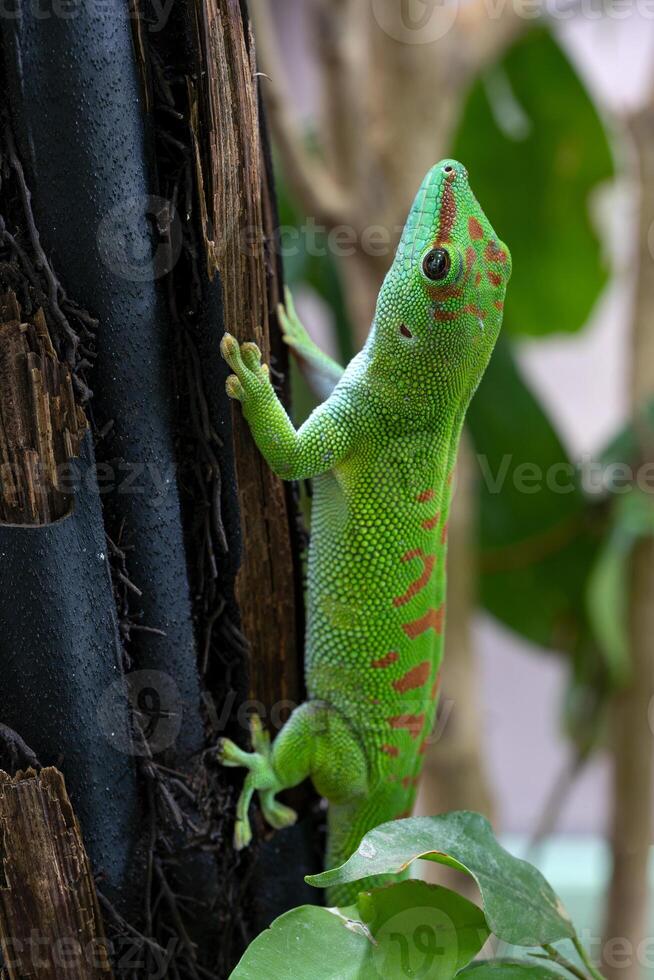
(381, 450)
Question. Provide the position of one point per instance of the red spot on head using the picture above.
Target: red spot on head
(499, 305)
(448, 212)
(386, 660)
(391, 750)
(471, 258)
(474, 310)
(444, 316)
(475, 230)
(425, 495)
(433, 619)
(493, 253)
(494, 277)
(413, 678)
(411, 723)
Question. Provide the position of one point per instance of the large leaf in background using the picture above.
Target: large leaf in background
(536, 149)
(537, 543)
(519, 905)
(407, 929)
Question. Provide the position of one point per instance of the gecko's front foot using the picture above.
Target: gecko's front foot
(261, 777)
(251, 379)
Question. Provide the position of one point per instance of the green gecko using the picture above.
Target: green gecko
(381, 450)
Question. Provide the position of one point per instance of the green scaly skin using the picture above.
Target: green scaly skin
(381, 450)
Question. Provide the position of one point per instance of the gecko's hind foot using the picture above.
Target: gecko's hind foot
(275, 813)
(261, 778)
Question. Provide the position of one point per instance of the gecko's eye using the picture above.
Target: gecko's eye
(436, 264)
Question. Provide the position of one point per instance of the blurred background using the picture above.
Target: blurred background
(547, 706)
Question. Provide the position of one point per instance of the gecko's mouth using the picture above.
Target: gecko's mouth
(404, 330)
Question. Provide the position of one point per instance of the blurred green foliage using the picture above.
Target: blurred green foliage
(536, 149)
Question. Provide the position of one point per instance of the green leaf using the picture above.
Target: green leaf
(536, 150)
(409, 929)
(519, 905)
(422, 930)
(308, 943)
(509, 970)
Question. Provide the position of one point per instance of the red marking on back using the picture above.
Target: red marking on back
(428, 561)
(430, 523)
(436, 686)
(412, 723)
(406, 781)
(450, 477)
(474, 229)
(391, 750)
(386, 660)
(477, 278)
(499, 305)
(425, 495)
(432, 620)
(444, 533)
(424, 745)
(494, 277)
(413, 678)
(493, 253)
(447, 215)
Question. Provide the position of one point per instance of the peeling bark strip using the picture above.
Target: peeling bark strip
(237, 234)
(50, 922)
(41, 427)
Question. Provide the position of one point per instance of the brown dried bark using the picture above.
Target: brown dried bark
(50, 922)
(41, 427)
(237, 231)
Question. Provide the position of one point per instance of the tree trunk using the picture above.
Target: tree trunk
(50, 922)
(146, 164)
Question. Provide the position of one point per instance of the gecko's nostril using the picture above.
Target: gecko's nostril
(404, 330)
(448, 169)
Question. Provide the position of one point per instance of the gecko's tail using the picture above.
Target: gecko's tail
(347, 824)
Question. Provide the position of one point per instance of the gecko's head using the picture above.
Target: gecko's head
(440, 309)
